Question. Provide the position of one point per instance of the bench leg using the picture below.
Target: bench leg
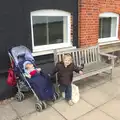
(111, 74)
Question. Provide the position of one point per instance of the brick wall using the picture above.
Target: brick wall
(88, 18)
(71, 27)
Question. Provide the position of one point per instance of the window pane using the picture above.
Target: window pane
(113, 27)
(55, 28)
(40, 30)
(100, 28)
(104, 27)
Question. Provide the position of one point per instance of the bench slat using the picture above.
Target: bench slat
(89, 55)
(73, 57)
(59, 58)
(77, 57)
(94, 54)
(85, 58)
(79, 52)
(92, 69)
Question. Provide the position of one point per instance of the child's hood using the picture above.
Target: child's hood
(25, 63)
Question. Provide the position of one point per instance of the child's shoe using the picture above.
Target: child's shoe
(70, 102)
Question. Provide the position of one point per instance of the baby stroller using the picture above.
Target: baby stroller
(44, 90)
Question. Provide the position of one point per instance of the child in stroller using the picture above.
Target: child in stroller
(29, 69)
(37, 81)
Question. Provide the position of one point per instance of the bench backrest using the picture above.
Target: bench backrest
(80, 55)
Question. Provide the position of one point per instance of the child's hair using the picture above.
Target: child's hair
(68, 55)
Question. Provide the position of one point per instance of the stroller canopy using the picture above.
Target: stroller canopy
(21, 51)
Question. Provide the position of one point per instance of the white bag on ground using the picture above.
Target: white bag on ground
(75, 93)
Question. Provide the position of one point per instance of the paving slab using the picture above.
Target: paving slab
(84, 87)
(82, 84)
(110, 88)
(7, 113)
(25, 107)
(17, 119)
(72, 112)
(95, 97)
(96, 80)
(96, 115)
(112, 108)
(95, 91)
(116, 72)
(48, 114)
(116, 80)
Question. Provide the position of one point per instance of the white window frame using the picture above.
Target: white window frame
(106, 15)
(49, 12)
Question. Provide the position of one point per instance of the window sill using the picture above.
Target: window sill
(109, 42)
(50, 51)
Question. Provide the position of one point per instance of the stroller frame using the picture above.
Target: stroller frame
(39, 105)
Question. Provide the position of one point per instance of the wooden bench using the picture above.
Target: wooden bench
(91, 57)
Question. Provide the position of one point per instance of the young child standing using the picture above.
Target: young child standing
(64, 71)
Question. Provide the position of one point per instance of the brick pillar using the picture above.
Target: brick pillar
(88, 22)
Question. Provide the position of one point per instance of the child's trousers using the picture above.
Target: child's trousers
(67, 89)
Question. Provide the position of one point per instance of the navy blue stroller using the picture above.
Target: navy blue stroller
(40, 84)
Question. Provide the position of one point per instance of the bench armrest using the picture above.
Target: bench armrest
(110, 57)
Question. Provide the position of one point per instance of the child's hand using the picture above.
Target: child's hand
(81, 72)
(38, 69)
(29, 76)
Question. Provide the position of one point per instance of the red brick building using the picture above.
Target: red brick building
(98, 21)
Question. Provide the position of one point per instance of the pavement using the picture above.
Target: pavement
(99, 100)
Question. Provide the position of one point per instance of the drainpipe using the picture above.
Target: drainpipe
(75, 24)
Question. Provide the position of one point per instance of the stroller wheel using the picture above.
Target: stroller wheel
(19, 96)
(38, 107)
(57, 95)
(44, 105)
